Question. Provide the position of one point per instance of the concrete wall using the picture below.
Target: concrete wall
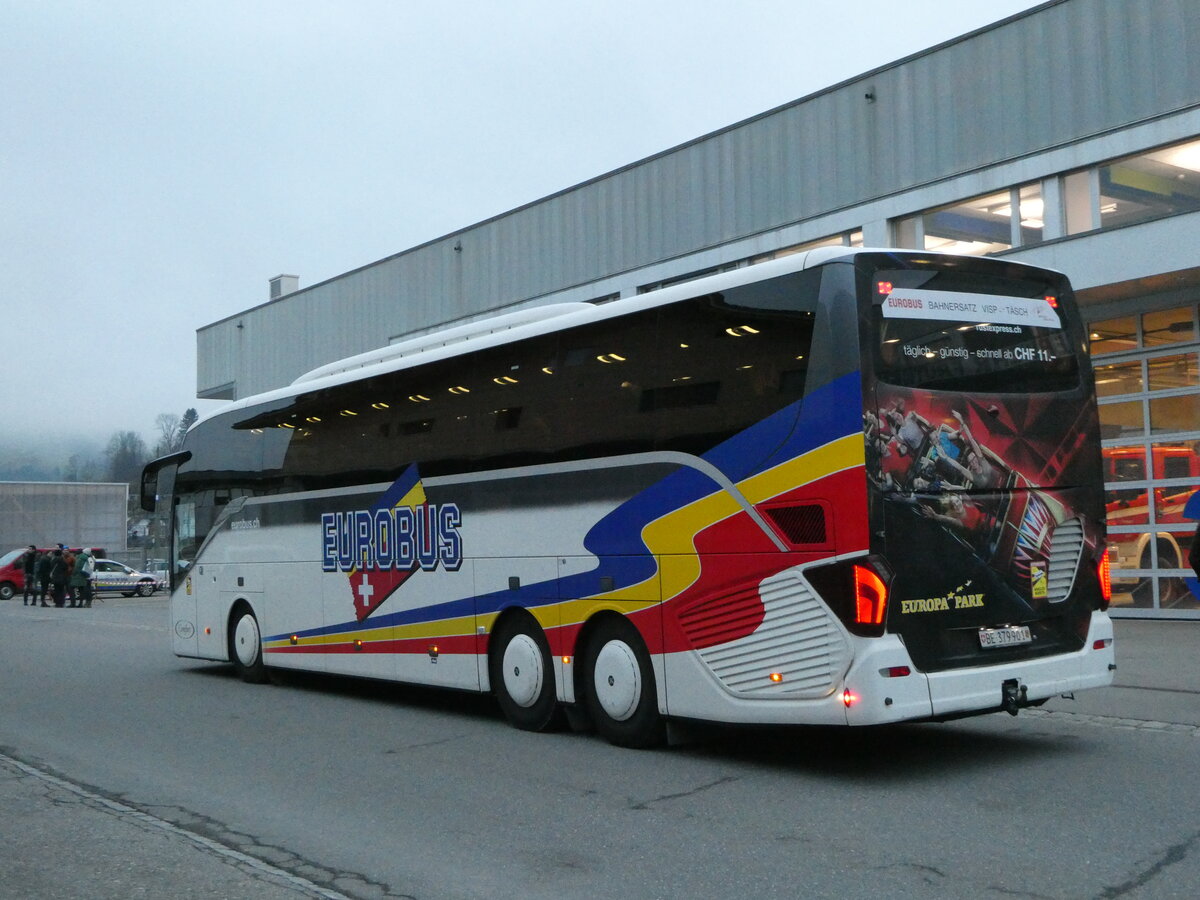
(76, 514)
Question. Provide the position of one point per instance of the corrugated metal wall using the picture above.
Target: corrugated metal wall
(78, 515)
(1067, 71)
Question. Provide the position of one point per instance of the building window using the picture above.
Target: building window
(1148, 382)
(975, 227)
(1150, 185)
(1119, 378)
(981, 225)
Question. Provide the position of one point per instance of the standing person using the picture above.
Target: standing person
(44, 564)
(69, 559)
(58, 577)
(29, 567)
(81, 578)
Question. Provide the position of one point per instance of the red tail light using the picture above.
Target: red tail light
(870, 597)
(856, 592)
(1105, 572)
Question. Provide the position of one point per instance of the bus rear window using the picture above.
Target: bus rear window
(1005, 337)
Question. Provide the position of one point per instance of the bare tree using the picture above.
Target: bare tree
(168, 427)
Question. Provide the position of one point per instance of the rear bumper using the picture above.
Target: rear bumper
(973, 689)
(959, 692)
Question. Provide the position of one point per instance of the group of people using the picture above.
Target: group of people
(62, 575)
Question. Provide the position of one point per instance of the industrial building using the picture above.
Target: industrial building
(78, 514)
(1067, 136)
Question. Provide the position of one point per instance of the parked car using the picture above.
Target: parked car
(112, 577)
(12, 576)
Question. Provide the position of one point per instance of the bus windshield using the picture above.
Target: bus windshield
(1000, 336)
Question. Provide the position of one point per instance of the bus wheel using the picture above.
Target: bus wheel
(522, 673)
(245, 646)
(619, 687)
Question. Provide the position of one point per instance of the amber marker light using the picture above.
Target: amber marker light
(566, 660)
(357, 644)
(295, 639)
(1105, 572)
(776, 677)
(208, 631)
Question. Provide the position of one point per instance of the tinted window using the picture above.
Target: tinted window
(998, 334)
(677, 377)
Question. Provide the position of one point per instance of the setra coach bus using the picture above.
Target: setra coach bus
(843, 487)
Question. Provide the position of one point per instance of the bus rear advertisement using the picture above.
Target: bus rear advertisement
(845, 487)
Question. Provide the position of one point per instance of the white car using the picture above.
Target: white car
(112, 577)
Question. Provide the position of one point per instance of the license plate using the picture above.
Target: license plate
(1004, 637)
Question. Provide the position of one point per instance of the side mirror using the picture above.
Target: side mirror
(148, 493)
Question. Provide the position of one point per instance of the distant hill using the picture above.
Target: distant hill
(58, 459)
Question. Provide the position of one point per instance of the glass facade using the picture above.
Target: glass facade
(1148, 382)
(1126, 191)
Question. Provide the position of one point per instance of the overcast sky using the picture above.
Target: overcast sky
(161, 160)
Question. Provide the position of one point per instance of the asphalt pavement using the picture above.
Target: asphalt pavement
(59, 839)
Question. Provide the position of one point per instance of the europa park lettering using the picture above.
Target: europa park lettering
(402, 538)
(953, 600)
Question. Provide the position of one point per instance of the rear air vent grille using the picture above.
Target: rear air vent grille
(796, 650)
(802, 524)
(1065, 548)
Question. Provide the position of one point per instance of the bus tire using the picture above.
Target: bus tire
(619, 687)
(522, 673)
(245, 645)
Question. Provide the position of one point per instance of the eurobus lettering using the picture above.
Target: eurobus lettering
(399, 538)
(847, 487)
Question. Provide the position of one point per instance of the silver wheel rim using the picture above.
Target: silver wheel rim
(522, 670)
(618, 680)
(246, 640)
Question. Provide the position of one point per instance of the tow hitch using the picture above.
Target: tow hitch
(1014, 695)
